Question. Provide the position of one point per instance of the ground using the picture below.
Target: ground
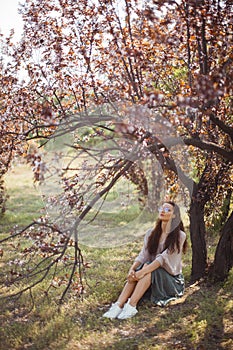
(201, 319)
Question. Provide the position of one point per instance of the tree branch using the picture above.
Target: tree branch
(209, 146)
(227, 129)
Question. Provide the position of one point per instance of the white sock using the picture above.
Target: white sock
(117, 303)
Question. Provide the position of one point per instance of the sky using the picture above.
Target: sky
(9, 17)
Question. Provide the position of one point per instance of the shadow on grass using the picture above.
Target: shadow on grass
(200, 320)
(197, 321)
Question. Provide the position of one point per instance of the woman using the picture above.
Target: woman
(157, 269)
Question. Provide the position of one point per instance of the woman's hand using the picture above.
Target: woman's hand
(131, 271)
(131, 276)
(135, 276)
(139, 275)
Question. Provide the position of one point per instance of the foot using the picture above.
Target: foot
(127, 312)
(114, 311)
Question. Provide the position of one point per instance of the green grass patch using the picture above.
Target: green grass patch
(24, 203)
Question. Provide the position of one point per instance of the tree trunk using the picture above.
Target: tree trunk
(197, 234)
(156, 187)
(223, 260)
(226, 207)
(3, 197)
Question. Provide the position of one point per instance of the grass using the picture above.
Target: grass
(24, 203)
(201, 319)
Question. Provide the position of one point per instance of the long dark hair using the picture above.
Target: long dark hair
(173, 239)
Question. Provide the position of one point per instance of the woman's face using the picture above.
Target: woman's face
(166, 212)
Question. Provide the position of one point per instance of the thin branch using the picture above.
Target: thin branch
(28, 287)
(77, 255)
(18, 233)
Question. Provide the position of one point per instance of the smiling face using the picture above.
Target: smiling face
(166, 212)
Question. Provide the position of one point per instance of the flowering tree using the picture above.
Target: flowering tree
(122, 82)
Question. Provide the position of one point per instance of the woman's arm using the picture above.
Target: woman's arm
(134, 266)
(131, 273)
(143, 256)
(147, 268)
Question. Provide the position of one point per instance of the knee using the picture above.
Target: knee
(147, 277)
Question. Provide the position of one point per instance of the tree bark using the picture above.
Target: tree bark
(197, 235)
(3, 197)
(223, 260)
(226, 207)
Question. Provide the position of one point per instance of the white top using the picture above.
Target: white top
(170, 261)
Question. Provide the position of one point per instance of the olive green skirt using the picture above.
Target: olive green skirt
(164, 287)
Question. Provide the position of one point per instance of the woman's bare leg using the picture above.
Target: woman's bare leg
(126, 293)
(140, 288)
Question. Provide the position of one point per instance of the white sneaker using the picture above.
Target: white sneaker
(127, 312)
(114, 311)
